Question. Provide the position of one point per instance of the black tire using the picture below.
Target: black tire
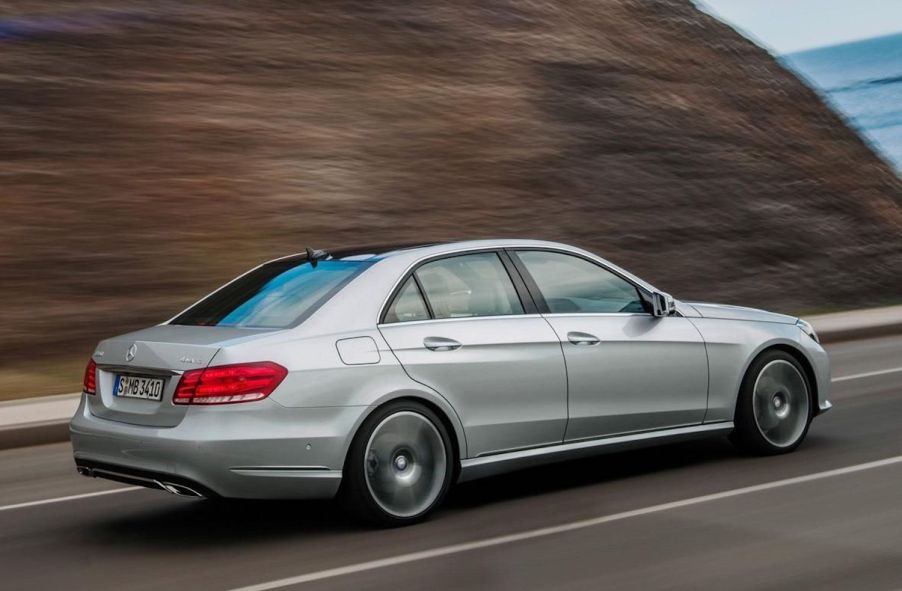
(751, 433)
(436, 470)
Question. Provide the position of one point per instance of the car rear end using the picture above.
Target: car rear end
(161, 409)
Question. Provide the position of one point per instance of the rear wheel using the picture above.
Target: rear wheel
(774, 409)
(399, 466)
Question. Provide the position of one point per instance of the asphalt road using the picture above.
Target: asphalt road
(678, 517)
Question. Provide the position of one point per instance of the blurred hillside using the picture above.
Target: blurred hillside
(151, 150)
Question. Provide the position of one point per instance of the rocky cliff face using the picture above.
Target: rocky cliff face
(149, 151)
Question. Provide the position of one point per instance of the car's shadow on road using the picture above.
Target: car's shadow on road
(199, 523)
(590, 471)
(169, 522)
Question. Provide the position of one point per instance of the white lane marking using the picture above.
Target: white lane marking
(69, 498)
(867, 374)
(557, 529)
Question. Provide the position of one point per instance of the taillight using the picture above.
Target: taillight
(228, 384)
(90, 382)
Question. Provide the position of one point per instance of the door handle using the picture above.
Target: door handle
(582, 338)
(440, 344)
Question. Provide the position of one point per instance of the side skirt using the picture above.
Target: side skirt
(473, 468)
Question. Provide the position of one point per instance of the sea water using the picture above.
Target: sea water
(863, 81)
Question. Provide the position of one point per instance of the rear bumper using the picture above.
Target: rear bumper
(258, 450)
(126, 475)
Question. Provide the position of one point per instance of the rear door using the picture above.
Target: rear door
(463, 327)
(628, 371)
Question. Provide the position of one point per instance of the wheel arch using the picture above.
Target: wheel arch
(799, 356)
(433, 402)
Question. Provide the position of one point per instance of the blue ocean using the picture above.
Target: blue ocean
(863, 81)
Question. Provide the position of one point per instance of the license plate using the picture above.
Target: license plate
(138, 387)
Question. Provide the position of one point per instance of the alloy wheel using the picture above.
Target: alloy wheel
(781, 403)
(405, 463)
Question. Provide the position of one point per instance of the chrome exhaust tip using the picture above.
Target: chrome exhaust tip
(85, 471)
(178, 489)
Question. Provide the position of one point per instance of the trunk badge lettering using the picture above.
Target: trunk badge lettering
(187, 359)
(132, 351)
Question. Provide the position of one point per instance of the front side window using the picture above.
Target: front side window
(571, 284)
(276, 295)
(468, 286)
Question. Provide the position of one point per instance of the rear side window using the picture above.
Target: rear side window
(572, 284)
(276, 295)
(470, 285)
(408, 305)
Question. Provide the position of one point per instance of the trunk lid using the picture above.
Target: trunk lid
(161, 352)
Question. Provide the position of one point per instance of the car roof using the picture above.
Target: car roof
(376, 251)
(430, 248)
(383, 251)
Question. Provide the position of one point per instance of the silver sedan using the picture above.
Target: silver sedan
(384, 375)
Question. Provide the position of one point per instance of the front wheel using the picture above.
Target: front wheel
(399, 466)
(774, 409)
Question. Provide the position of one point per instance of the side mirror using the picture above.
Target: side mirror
(662, 304)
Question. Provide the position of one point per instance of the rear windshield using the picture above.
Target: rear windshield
(276, 295)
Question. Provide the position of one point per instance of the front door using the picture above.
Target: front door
(628, 371)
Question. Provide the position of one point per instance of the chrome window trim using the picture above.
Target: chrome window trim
(458, 319)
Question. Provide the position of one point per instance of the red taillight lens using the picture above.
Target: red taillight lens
(228, 384)
(90, 382)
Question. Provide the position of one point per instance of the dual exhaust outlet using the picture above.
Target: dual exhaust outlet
(176, 489)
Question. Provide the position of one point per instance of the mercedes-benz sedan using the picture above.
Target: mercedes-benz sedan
(384, 375)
